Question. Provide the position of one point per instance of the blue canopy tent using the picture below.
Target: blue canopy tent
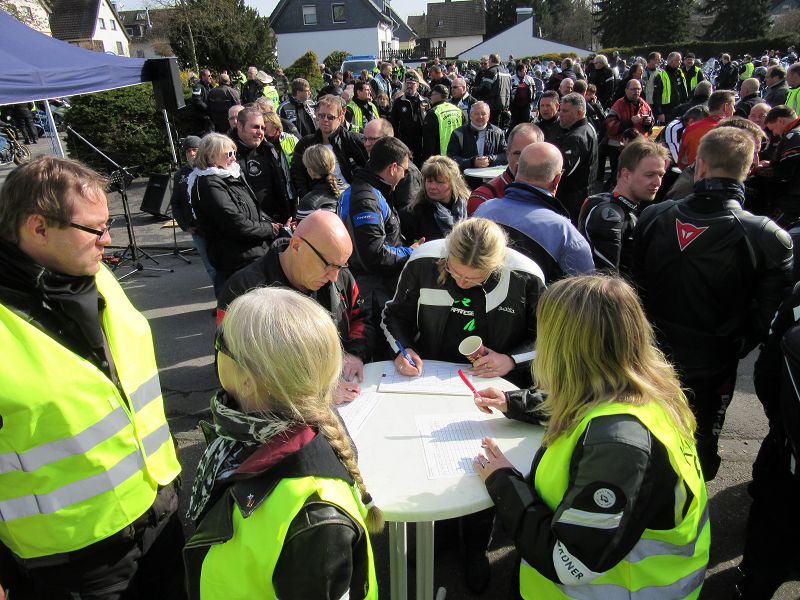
(36, 66)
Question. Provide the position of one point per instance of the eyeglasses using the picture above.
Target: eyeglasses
(329, 266)
(327, 117)
(473, 280)
(221, 346)
(98, 232)
(372, 139)
(405, 168)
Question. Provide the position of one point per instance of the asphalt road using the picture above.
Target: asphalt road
(178, 305)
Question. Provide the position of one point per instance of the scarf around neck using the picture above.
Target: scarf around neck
(448, 215)
(234, 171)
(236, 433)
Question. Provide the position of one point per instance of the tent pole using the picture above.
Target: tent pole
(55, 140)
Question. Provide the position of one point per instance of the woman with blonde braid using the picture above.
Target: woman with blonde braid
(320, 162)
(281, 508)
(615, 506)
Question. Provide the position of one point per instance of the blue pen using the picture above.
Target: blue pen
(405, 353)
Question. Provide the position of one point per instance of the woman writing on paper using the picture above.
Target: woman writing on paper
(281, 509)
(469, 284)
(615, 506)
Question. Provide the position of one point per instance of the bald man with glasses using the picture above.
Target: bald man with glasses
(314, 262)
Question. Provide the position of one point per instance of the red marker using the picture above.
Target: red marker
(475, 393)
(467, 382)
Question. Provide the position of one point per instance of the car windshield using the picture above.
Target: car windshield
(356, 66)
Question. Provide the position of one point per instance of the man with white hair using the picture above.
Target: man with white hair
(578, 145)
(604, 79)
(748, 97)
(478, 144)
(670, 89)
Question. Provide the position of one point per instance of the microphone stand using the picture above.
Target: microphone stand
(120, 180)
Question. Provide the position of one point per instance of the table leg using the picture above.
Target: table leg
(398, 575)
(425, 560)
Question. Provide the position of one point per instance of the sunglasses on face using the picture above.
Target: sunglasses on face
(231, 154)
(220, 346)
(326, 117)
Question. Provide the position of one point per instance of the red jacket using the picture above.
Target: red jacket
(496, 188)
(618, 118)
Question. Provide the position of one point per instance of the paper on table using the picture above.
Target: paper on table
(356, 413)
(451, 442)
(436, 378)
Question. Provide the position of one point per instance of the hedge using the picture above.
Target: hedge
(125, 125)
(708, 49)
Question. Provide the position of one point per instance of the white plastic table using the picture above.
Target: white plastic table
(392, 461)
(485, 173)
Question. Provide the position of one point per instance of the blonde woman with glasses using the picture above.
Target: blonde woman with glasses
(237, 230)
(469, 284)
(280, 505)
(615, 506)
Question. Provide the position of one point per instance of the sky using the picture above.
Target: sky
(265, 7)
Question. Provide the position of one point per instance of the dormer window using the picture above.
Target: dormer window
(309, 15)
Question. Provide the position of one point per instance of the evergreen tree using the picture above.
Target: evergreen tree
(737, 19)
(226, 34)
(629, 22)
(306, 67)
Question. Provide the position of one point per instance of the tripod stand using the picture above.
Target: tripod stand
(173, 167)
(120, 179)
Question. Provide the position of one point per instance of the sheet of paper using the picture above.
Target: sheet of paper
(356, 413)
(451, 442)
(436, 378)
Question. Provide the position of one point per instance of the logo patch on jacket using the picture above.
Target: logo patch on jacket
(687, 233)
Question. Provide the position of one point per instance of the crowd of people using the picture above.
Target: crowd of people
(361, 226)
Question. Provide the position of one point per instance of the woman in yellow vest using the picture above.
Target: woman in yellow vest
(615, 506)
(281, 509)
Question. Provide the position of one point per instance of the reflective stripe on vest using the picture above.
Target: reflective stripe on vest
(272, 93)
(663, 563)
(242, 568)
(693, 80)
(450, 118)
(94, 461)
(358, 115)
(288, 142)
(666, 88)
(793, 99)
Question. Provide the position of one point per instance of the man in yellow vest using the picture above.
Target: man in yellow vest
(361, 110)
(746, 68)
(88, 471)
(670, 89)
(691, 72)
(441, 120)
(793, 79)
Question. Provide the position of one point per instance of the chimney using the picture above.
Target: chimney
(524, 13)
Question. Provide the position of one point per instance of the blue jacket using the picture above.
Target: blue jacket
(538, 227)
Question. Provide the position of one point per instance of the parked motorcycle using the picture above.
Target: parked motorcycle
(10, 148)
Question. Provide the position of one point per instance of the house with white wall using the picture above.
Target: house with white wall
(149, 31)
(92, 24)
(34, 13)
(360, 27)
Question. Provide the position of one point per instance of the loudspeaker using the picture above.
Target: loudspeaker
(167, 86)
(155, 199)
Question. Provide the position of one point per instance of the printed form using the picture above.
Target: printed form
(437, 378)
(451, 442)
(355, 413)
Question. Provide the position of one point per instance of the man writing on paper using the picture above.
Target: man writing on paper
(314, 262)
